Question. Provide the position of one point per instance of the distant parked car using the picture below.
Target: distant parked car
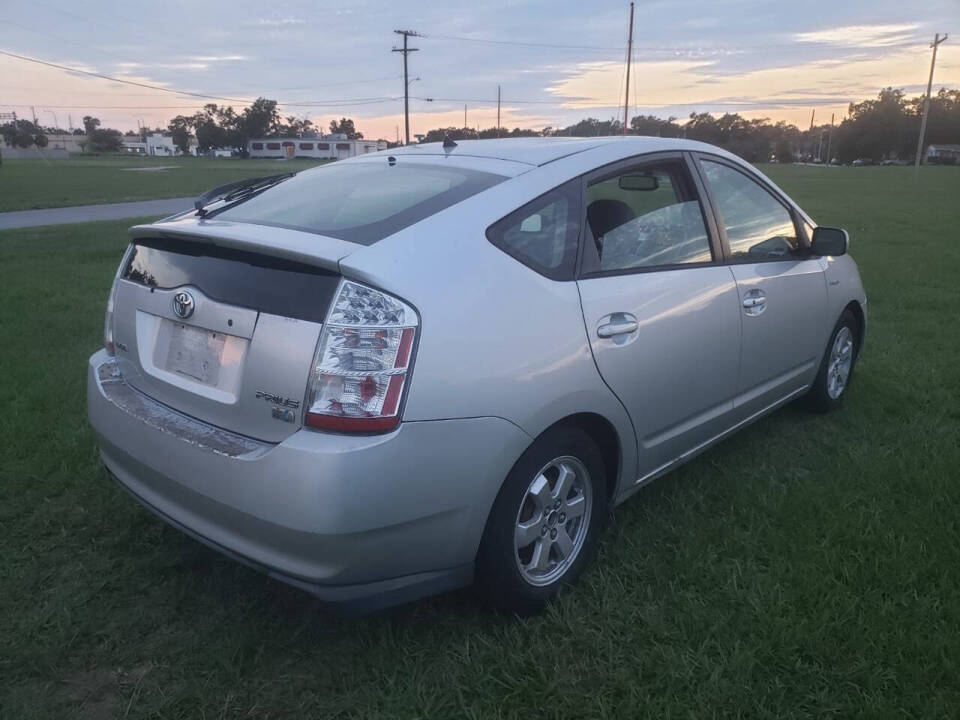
(389, 376)
(863, 161)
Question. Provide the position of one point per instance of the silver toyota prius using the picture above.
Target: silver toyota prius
(398, 374)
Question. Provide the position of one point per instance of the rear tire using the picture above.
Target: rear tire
(836, 369)
(544, 524)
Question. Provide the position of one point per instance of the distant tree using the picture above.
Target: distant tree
(23, 134)
(206, 126)
(943, 120)
(652, 125)
(454, 133)
(296, 127)
(346, 127)
(90, 124)
(179, 129)
(784, 153)
(105, 140)
(591, 127)
(877, 128)
(260, 119)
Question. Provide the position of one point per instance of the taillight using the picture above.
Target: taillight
(108, 315)
(363, 357)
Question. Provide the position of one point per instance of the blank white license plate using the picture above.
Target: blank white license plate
(195, 352)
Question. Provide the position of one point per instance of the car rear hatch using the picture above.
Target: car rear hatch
(221, 329)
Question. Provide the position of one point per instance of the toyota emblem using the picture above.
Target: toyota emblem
(183, 304)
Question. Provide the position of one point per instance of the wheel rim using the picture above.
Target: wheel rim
(841, 360)
(553, 520)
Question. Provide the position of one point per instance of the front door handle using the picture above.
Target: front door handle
(617, 324)
(755, 302)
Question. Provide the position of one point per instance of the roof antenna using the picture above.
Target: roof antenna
(448, 144)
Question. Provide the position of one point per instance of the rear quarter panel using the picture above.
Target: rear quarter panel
(496, 338)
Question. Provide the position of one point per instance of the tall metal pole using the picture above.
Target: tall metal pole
(926, 101)
(498, 111)
(626, 97)
(406, 83)
(830, 139)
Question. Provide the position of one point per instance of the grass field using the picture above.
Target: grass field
(808, 567)
(27, 184)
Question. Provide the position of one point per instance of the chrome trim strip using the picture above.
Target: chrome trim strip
(171, 422)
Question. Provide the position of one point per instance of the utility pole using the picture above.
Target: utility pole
(406, 84)
(830, 139)
(926, 101)
(626, 97)
(498, 111)
(33, 111)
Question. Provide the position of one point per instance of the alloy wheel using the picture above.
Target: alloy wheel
(840, 363)
(553, 520)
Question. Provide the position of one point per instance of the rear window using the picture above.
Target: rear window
(360, 202)
(236, 277)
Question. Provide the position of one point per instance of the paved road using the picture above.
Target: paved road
(89, 213)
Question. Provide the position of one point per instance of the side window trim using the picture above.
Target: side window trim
(728, 258)
(635, 161)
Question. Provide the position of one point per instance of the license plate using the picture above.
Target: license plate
(195, 352)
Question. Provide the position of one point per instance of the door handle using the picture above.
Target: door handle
(617, 324)
(755, 302)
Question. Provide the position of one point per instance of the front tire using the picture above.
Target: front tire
(544, 524)
(836, 369)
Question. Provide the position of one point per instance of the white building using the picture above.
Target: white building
(332, 147)
(156, 144)
(943, 154)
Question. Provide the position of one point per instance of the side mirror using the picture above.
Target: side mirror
(829, 241)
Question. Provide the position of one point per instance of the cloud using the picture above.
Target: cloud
(861, 35)
(276, 22)
(218, 58)
(684, 85)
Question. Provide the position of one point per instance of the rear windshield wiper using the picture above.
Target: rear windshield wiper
(236, 191)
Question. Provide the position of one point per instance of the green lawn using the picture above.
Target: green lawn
(26, 184)
(808, 567)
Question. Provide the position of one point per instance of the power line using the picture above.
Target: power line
(118, 80)
(174, 91)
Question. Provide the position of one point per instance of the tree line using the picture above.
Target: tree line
(885, 127)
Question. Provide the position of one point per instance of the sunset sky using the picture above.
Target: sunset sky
(557, 62)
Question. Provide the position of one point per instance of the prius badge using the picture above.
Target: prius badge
(183, 304)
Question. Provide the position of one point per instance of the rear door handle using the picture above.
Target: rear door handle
(755, 302)
(617, 324)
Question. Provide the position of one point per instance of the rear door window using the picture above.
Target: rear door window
(360, 202)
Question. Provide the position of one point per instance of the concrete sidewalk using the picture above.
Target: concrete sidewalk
(90, 213)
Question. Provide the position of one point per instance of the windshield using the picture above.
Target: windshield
(360, 202)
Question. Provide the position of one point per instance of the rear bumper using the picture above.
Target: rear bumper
(364, 521)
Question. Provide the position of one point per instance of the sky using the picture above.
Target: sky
(555, 62)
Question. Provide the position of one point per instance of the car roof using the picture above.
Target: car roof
(543, 150)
